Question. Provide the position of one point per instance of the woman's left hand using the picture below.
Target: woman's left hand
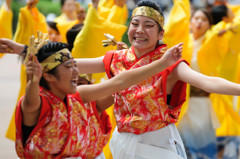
(173, 54)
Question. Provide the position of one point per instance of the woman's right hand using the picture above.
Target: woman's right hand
(33, 69)
(11, 47)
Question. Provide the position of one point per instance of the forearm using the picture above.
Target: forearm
(90, 65)
(11, 47)
(222, 86)
(120, 82)
(31, 101)
(131, 77)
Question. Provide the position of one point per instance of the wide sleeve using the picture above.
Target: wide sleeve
(226, 107)
(64, 27)
(88, 42)
(109, 11)
(28, 24)
(6, 17)
(177, 25)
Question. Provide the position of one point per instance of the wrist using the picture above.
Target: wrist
(23, 49)
(23, 53)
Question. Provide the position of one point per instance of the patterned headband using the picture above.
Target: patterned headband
(55, 59)
(149, 12)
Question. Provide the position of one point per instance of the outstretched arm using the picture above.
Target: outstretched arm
(31, 102)
(207, 83)
(90, 65)
(95, 65)
(11, 47)
(126, 79)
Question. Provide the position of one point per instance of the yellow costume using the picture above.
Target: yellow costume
(62, 19)
(29, 22)
(225, 106)
(88, 43)
(215, 49)
(64, 27)
(6, 17)
(217, 56)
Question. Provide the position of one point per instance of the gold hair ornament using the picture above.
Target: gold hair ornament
(149, 12)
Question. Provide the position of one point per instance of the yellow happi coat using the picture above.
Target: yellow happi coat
(226, 107)
(6, 17)
(64, 27)
(29, 23)
(88, 43)
(213, 60)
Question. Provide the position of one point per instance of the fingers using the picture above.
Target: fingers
(121, 46)
(177, 52)
(33, 67)
(5, 49)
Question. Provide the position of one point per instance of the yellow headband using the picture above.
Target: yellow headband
(55, 59)
(149, 12)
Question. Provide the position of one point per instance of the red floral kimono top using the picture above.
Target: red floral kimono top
(75, 130)
(143, 107)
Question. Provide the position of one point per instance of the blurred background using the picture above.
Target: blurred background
(10, 82)
(52, 9)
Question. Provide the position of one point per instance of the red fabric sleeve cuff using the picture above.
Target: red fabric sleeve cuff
(177, 98)
(107, 62)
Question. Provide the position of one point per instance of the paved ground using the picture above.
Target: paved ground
(9, 87)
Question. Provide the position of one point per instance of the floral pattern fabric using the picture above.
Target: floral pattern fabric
(142, 107)
(63, 131)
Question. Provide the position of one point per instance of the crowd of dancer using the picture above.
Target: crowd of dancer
(172, 94)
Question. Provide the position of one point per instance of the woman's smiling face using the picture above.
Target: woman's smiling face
(144, 34)
(66, 80)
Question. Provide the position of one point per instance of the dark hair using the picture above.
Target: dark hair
(218, 12)
(53, 25)
(62, 2)
(206, 13)
(72, 34)
(46, 51)
(153, 5)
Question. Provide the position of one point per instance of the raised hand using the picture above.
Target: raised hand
(121, 46)
(120, 3)
(95, 4)
(33, 69)
(8, 4)
(31, 3)
(173, 54)
(11, 47)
